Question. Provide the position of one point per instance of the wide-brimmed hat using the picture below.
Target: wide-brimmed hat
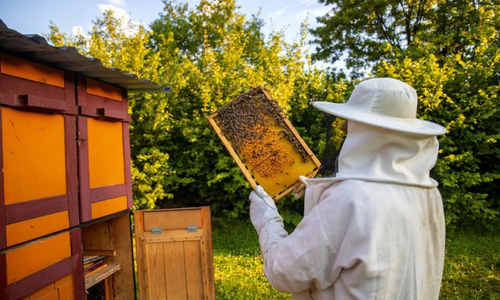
(383, 102)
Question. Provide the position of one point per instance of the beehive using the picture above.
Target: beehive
(263, 142)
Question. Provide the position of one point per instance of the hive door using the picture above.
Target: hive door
(174, 254)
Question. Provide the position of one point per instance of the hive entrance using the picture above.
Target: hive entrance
(263, 142)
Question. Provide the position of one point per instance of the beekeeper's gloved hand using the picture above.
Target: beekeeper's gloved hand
(299, 191)
(265, 219)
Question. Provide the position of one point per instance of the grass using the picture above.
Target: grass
(472, 265)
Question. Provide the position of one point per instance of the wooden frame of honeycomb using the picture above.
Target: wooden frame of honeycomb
(263, 143)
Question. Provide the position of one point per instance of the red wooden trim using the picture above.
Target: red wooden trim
(33, 101)
(105, 113)
(3, 276)
(3, 235)
(89, 104)
(128, 168)
(83, 170)
(81, 91)
(107, 192)
(113, 114)
(12, 87)
(28, 285)
(18, 212)
(76, 251)
(71, 169)
(70, 95)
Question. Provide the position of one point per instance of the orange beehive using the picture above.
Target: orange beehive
(37, 149)
(104, 149)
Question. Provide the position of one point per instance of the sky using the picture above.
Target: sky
(33, 16)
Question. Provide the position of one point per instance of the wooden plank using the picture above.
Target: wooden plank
(102, 89)
(101, 275)
(172, 219)
(97, 237)
(47, 251)
(83, 169)
(65, 288)
(207, 255)
(142, 277)
(108, 207)
(71, 169)
(78, 278)
(156, 272)
(21, 211)
(34, 155)
(21, 68)
(48, 291)
(106, 154)
(100, 252)
(37, 227)
(187, 256)
(229, 148)
(123, 285)
(194, 270)
(29, 285)
(175, 271)
(128, 163)
(172, 236)
(3, 237)
(107, 192)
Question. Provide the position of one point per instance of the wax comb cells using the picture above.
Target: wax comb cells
(263, 142)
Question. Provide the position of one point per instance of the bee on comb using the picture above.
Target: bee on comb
(263, 142)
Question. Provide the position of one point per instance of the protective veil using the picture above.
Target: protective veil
(375, 231)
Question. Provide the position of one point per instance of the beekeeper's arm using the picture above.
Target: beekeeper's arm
(292, 263)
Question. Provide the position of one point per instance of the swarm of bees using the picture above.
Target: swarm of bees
(255, 127)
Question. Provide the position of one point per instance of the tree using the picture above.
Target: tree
(207, 55)
(448, 50)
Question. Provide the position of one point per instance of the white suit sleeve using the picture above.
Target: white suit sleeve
(297, 262)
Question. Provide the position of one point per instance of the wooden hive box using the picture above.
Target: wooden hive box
(31, 85)
(104, 149)
(263, 143)
(174, 254)
(48, 268)
(38, 178)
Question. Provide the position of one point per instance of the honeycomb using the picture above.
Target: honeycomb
(272, 153)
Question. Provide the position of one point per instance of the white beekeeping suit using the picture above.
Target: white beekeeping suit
(376, 230)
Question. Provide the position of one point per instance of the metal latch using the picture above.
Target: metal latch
(156, 230)
(192, 228)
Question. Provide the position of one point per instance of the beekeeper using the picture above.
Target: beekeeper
(376, 230)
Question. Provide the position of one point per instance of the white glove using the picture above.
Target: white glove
(262, 208)
(299, 191)
(265, 219)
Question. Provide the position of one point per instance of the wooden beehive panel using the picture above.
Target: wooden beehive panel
(174, 254)
(39, 178)
(112, 238)
(104, 160)
(263, 142)
(101, 100)
(48, 267)
(34, 86)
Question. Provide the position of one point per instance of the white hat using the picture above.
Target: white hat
(383, 102)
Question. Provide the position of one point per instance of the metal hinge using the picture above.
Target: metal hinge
(156, 230)
(192, 228)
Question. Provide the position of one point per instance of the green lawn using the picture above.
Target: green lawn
(472, 266)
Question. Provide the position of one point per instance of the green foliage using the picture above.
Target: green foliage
(448, 51)
(207, 55)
